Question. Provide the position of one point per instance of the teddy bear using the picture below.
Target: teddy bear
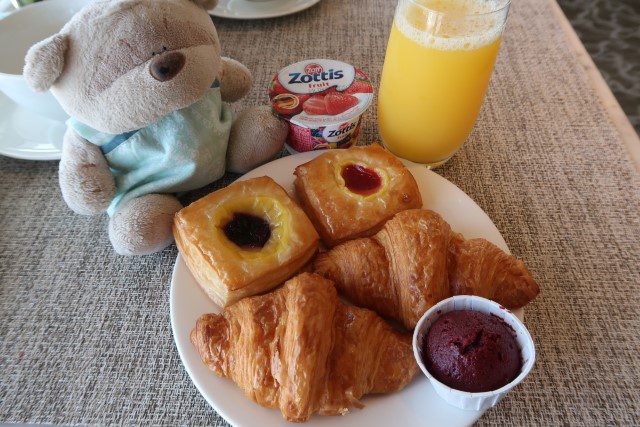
(147, 89)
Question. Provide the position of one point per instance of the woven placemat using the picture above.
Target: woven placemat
(85, 334)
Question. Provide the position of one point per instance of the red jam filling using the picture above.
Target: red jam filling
(361, 180)
(247, 231)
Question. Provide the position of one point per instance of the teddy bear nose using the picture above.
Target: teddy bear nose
(166, 66)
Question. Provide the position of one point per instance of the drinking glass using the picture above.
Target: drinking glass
(439, 59)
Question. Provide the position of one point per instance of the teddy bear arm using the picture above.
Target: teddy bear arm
(256, 137)
(86, 182)
(235, 80)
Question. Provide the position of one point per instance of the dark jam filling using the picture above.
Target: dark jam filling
(247, 231)
(361, 180)
(472, 351)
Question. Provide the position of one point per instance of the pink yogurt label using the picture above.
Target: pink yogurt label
(323, 100)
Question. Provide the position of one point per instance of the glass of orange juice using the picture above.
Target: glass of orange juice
(438, 63)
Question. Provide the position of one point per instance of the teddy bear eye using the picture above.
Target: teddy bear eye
(164, 48)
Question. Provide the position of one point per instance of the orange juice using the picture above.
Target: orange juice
(436, 71)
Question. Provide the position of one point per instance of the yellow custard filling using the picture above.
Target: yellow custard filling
(268, 208)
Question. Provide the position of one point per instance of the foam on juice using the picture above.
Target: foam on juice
(452, 24)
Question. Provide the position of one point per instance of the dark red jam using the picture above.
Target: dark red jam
(361, 180)
(247, 231)
(472, 351)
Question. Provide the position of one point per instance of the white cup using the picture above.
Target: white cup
(464, 399)
(18, 32)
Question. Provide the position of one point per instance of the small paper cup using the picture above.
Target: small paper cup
(462, 399)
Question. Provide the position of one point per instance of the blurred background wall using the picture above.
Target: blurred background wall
(610, 30)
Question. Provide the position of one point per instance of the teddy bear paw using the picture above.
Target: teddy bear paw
(256, 137)
(144, 225)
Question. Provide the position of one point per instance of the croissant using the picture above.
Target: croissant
(416, 261)
(304, 351)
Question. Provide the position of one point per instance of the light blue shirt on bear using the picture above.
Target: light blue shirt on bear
(182, 151)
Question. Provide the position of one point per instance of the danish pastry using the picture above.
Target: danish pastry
(244, 239)
(352, 193)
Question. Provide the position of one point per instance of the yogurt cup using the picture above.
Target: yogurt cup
(463, 399)
(323, 101)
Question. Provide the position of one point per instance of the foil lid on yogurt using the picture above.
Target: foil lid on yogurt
(320, 92)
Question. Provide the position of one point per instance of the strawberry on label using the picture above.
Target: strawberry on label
(325, 92)
(275, 88)
(359, 86)
(360, 75)
(303, 97)
(315, 106)
(322, 100)
(338, 103)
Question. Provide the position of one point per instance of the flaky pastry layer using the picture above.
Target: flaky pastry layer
(228, 272)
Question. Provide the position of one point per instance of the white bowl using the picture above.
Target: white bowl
(18, 32)
(463, 399)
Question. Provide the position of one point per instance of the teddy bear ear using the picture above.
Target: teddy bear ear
(207, 4)
(45, 61)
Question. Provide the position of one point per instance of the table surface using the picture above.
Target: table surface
(85, 335)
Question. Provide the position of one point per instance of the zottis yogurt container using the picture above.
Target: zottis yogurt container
(323, 100)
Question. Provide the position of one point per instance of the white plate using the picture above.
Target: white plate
(416, 405)
(259, 9)
(28, 136)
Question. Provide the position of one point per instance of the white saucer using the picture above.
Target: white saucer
(28, 136)
(246, 9)
(417, 405)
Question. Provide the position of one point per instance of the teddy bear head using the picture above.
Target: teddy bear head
(120, 65)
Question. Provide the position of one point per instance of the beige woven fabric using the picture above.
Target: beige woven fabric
(85, 335)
